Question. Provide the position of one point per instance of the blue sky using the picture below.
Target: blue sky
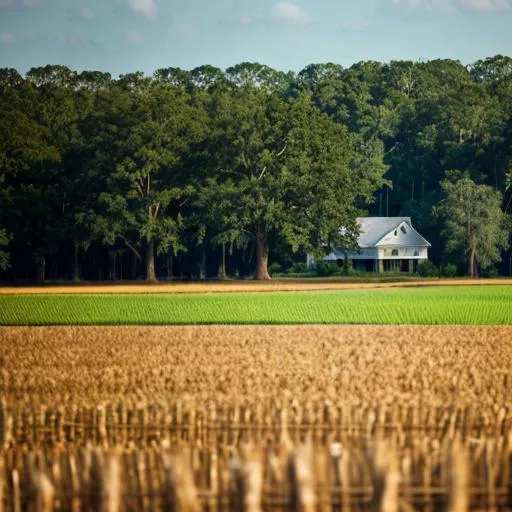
(121, 36)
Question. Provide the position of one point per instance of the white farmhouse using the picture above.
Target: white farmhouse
(386, 244)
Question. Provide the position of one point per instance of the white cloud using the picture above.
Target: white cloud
(456, 5)
(289, 12)
(87, 13)
(7, 38)
(133, 37)
(32, 3)
(147, 8)
(485, 5)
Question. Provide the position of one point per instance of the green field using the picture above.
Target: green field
(485, 305)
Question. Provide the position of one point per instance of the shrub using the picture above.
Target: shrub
(326, 268)
(347, 269)
(450, 270)
(275, 268)
(492, 272)
(299, 267)
(427, 269)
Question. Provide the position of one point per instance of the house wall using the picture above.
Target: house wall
(363, 254)
(417, 253)
(374, 253)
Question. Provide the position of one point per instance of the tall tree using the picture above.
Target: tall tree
(154, 127)
(29, 159)
(474, 222)
(289, 174)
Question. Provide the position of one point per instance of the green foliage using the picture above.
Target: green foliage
(427, 269)
(288, 173)
(470, 305)
(492, 272)
(148, 178)
(4, 255)
(326, 268)
(348, 270)
(449, 270)
(275, 268)
(298, 267)
(474, 222)
(248, 156)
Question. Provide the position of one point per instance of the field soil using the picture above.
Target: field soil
(376, 364)
(242, 286)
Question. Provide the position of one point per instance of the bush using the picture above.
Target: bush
(493, 272)
(427, 269)
(347, 268)
(275, 268)
(326, 268)
(450, 270)
(298, 267)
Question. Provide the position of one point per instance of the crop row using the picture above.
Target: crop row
(391, 470)
(394, 418)
(482, 305)
(435, 365)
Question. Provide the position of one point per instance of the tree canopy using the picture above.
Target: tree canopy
(185, 172)
(474, 223)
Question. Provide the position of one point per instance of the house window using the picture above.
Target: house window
(394, 252)
(403, 230)
(396, 232)
(416, 253)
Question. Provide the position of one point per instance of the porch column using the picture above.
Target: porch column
(411, 266)
(380, 266)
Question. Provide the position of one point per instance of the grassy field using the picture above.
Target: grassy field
(468, 305)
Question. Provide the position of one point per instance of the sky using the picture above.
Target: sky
(123, 36)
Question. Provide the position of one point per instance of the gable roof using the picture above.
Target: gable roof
(376, 231)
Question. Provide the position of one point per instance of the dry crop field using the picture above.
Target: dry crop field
(281, 285)
(256, 418)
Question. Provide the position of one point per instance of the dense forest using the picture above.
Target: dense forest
(211, 173)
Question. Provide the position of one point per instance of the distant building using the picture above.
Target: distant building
(386, 244)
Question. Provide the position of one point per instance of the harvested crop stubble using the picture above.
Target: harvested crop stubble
(384, 476)
(256, 418)
(435, 365)
(308, 284)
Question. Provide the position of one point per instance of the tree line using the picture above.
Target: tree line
(206, 172)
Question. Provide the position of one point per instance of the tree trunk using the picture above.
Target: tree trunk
(261, 255)
(134, 267)
(472, 262)
(202, 267)
(222, 265)
(41, 268)
(150, 261)
(76, 269)
(169, 266)
(119, 255)
(112, 265)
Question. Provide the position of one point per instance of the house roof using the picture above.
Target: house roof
(379, 231)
